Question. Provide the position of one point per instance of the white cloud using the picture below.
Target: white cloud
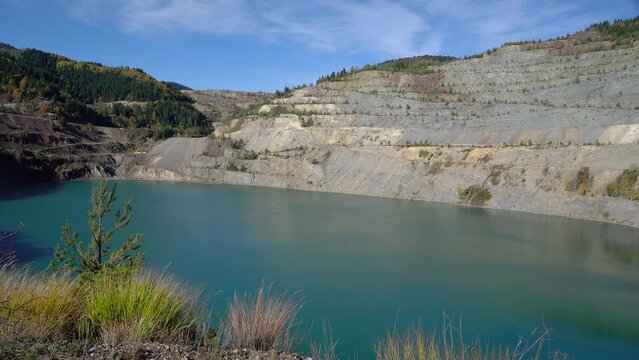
(387, 27)
(505, 20)
(378, 26)
(213, 16)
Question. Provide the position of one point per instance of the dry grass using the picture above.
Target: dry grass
(150, 307)
(37, 308)
(141, 308)
(7, 256)
(327, 348)
(413, 344)
(261, 322)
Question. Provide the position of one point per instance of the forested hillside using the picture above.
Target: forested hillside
(34, 82)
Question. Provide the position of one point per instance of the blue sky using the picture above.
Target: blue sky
(264, 45)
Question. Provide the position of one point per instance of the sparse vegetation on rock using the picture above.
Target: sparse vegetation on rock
(580, 182)
(625, 185)
(476, 195)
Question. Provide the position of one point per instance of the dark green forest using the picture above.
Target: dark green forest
(77, 92)
(168, 118)
(418, 65)
(620, 30)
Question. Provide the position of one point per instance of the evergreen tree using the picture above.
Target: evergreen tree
(97, 257)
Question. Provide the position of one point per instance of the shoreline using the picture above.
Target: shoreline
(460, 205)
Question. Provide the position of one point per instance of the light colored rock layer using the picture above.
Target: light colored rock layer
(343, 136)
(520, 178)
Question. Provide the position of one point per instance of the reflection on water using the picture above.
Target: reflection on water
(364, 263)
(624, 251)
(10, 193)
(25, 249)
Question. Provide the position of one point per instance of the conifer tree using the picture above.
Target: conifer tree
(97, 257)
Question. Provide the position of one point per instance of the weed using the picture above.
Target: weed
(260, 322)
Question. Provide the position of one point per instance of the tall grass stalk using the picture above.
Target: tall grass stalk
(326, 349)
(37, 308)
(414, 344)
(140, 308)
(261, 322)
(7, 256)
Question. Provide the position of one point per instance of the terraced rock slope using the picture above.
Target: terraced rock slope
(549, 127)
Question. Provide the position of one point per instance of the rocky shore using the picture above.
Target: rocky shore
(147, 351)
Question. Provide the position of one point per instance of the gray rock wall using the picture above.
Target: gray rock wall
(528, 128)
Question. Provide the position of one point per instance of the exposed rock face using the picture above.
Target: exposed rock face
(510, 97)
(37, 149)
(522, 178)
(221, 105)
(542, 128)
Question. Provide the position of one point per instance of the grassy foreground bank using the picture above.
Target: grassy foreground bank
(99, 302)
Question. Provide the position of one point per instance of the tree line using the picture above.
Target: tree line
(76, 90)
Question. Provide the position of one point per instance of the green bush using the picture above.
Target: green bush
(475, 195)
(625, 185)
(249, 155)
(111, 308)
(140, 308)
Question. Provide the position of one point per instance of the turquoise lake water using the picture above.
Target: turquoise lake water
(365, 263)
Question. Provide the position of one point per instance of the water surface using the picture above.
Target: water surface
(365, 263)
